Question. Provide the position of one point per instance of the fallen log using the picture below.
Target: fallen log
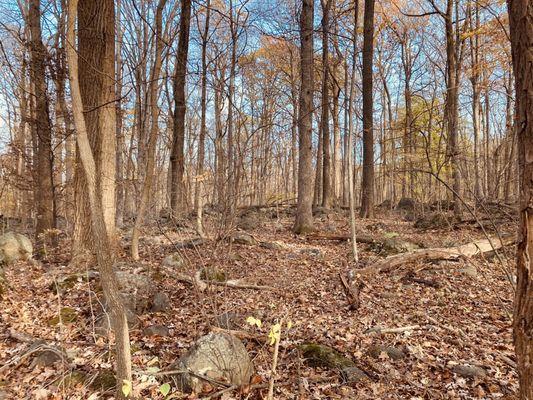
(342, 237)
(439, 253)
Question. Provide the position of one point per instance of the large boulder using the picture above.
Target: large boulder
(14, 247)
(217, 356)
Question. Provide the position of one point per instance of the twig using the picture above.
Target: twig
(274, 364)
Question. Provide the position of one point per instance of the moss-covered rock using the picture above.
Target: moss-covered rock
(213, 274)
(71, 380)
(319, 355)
(66, 315)
(104, 380)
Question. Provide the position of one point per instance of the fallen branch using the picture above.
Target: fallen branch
(377, 329)
(202, 285)
(342, 237)
(440, 253)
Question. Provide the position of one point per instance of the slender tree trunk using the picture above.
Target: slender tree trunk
(43, 165)
(304, 214)
(100, 238)
(327, 187)
(203, 126)
(177, 162)
(154, 131)
(521, 27)
(367, 201)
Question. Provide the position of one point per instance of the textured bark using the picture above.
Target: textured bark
(177, 162)
(100, 239)
(43, 171)
(304, 216)
(96, 25)
(327, 187)
(367, 201)
(521, 27)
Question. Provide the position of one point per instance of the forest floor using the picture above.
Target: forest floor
(464, 321)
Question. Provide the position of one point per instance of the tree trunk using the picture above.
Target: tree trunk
(521, 27)
(97, 85)
(100, 238)
(154, 130)
(43, 166)
(367, 201)
(304, 215)
(327, 188)
(177, 162)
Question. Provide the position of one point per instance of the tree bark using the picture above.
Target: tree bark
(97, 86)
(43, 166)
(367, 201)
(177, 162)
(304, 215)
(100, 238)
(521, 27)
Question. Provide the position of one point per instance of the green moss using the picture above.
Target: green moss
(66, 315)
(213, 274)
(71, 380)
(319, 355)
(104, 380)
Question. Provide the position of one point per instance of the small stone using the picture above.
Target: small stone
(353, 374)
(243, 238)
(470, 271)
(156, 330)
(174, 260)
(161, 302)
(393, 353)
(312, 252)
(272, 245)
(469, 371)
(46, 358)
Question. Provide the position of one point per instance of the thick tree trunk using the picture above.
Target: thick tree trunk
(304, 215)
(177, 161)
(521, 27)
(100, 238)
(97, 85)
(367, 201)
(43, 166)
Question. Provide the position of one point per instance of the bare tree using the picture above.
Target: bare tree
(100, 238)
(304, 213)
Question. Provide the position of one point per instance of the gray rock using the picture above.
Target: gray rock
(273, 245)
(160, 302)
(353, 374)
(243, 238)
(469, 270)
(174, 260)
(45, 355)
(137, 290)
(217, 356)
(469, 371)
(393, 353)
(14, 247)
(156, 330)
(229, 320)
(312, 252)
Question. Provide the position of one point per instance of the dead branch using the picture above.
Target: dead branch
(352, 292)
(440, 253)
(202, 285)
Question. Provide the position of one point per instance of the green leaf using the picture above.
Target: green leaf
(126, 387)
(165, 389)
